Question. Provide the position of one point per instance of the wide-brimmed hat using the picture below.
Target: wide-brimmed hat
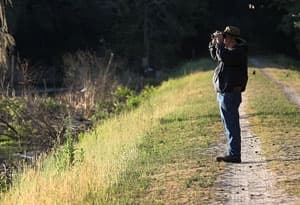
(233, 31)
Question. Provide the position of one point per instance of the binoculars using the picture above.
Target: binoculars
(215, 34)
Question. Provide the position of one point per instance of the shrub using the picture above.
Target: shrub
(67, 156)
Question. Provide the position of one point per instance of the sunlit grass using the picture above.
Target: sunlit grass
(174, 165)
(277, 122)
(107, 150)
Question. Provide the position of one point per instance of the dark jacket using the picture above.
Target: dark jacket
(231, 73)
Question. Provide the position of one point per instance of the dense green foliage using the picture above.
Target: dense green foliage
(161, 30)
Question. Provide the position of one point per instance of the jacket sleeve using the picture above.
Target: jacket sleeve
(231, 57)
(212, 51)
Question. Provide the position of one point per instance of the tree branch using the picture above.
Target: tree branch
(9, 126)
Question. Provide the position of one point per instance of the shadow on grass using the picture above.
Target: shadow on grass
(262, 114)
(183, 119)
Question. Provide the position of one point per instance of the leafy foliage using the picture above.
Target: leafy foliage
(12, 122)
(127, 99)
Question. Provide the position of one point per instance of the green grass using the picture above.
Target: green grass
(277, 122)
(125, 159)
(173, 163)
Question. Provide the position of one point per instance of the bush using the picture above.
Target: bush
(120, 98)
(147, 92)
(13, 122)
(67, 156)
(127, 99)
(51, 105)
(133, 102)
(102, 111)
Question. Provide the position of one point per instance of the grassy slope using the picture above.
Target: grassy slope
(277, 122)
(174, 164)
(126, 158)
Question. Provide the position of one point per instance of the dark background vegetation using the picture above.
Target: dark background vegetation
(165, 30)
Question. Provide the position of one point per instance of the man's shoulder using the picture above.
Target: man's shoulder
(241, 43)
(242, 47)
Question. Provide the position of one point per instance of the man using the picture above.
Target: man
(230, 79)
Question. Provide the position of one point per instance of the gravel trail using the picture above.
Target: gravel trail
(250, 182)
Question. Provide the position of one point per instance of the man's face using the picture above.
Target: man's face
(228, 40)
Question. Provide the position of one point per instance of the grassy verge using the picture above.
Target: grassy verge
(174, 164)
(170, 131)
(277, 122)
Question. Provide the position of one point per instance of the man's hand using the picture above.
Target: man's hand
(214, 41)
(219, 38)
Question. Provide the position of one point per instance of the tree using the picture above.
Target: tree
(6, 41)
(290, 22)
(160, 31)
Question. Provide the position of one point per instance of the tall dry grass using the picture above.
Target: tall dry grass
(90, 79)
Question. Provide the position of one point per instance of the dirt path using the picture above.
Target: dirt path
(250, 182)
(291, 94)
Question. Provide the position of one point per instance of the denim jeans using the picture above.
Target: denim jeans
(229, 109)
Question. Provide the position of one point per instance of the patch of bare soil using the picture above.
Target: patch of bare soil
(250, 182)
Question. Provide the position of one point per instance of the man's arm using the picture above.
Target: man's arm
(212, 50)
(215, 44)
(232, 57)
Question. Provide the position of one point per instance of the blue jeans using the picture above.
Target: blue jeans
(229, 108)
